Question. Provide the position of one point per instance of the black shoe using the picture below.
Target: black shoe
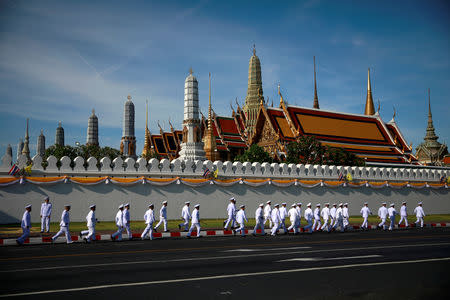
(155, 230)
(234, 232)
(200, 236)
(112, 239)
(42, 231)
(254, 234)
(179, 227)
(80, 235)
(166, 230)
(85, 240)
(188, 236)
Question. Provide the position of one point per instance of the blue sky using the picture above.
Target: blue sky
(60, 59)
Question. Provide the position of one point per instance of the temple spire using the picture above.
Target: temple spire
(370, 109)
(316, 99)
(26, 145)
(431, 134)
(147, 140)
(210, 145)
(254, 92)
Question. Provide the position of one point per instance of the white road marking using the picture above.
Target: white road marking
(143, 283)
(265, 249)
(216, 257)
(328, 258)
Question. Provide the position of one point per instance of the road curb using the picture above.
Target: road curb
(207, 233)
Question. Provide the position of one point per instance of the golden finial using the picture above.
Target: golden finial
(93, 111)
(316, 99)
(254, 50)
(190, 71)
(369, 109)
(379, 106)
(395, 113)
(279, 93)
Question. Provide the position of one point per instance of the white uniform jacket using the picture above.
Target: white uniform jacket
(419, 212)
(65, 219)
(259, 213)
(392, 212)
(241, 217)
(345, 212)
(333, 212)
(293, 215)
(185, 214)
(339, 215)
(119, 218)
(325, 213)
(195, 216)
(365, 212)
(46, 209)
(317, 213)
(299, 212)
(308, 214)
(149, 217)
(90, 219)
(163, 212)
(26, 220)
(403, 212)
(267, 211)
(276, 216)
(126, 217)
(382, 212)
(283, 213)
(231, 210)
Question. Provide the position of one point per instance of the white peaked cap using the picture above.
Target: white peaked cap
(384, 203)
(128, 204)
(46, 198)
(309, 204)
(277, 204)
(28, 206)
(327, 203)
(403, 202)
(334, 204)
(269, 202)
(299, 203)
(151, 204)
(340, 204)
(345, 203)
(284, 203)
(232, 198)
(164, 202)
(92, 206)
(67, 205)
(261, 204)
(419, 203)
(294, 205)
(120, 206)
(317, 205)
(365, 203)
(197, 205)
(392, 204)
(187, 202)
(242, 206)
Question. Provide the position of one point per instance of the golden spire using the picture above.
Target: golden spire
(316, 99)
(210, 145)
(147, 140)
(370, 109)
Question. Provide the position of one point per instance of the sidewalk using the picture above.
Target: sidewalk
(178, 234)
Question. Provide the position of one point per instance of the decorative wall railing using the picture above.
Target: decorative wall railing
(164, 168)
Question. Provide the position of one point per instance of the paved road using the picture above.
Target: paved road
(405, 264)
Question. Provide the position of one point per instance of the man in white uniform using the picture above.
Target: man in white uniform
(64, 225)
(186, 216)
(276, 219)
(268, 214)
(382, 214)
(365, 211)
(26, 225)
(392, 213)
(308, 217)
(283, 215)
(403, 214)
(325, 213)
(162, 217)
(299, 213)
(149, 218)
(419, 214)
(90, 222)
(345, 215)
(293, 217)
(46, 211)
(259, 220)
(119, 224)
(339, 218)
(231, 212)
(241, 218)
(333, 215)
(195, 221)
(127, 220)
(317, 223)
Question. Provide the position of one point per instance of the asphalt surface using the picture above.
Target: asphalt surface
(404, 264)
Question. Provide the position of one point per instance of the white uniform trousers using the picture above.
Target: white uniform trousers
(65, 230)
(403, 218)
(270, 221)
(293, 226)
(316, 225)
(392, 222)
(130, 235)
(275, 228)
(194, 225)
(364, 224)
(325, 225)
(382, 223)
(283, 225)
(241, 229)
(162, 220)
(419, 219)
(90, 233)
(148, 230)
(332, 222)
(260, 225)
(185, 224)
(308, 228)
(118, 233)
(345, 222)
(339, 223)
(24, 236)
(231, 219)
(45, 223)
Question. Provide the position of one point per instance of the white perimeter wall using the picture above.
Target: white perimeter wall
(212, 198)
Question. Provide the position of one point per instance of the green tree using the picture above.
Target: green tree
(254, 154)
(82, 150)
